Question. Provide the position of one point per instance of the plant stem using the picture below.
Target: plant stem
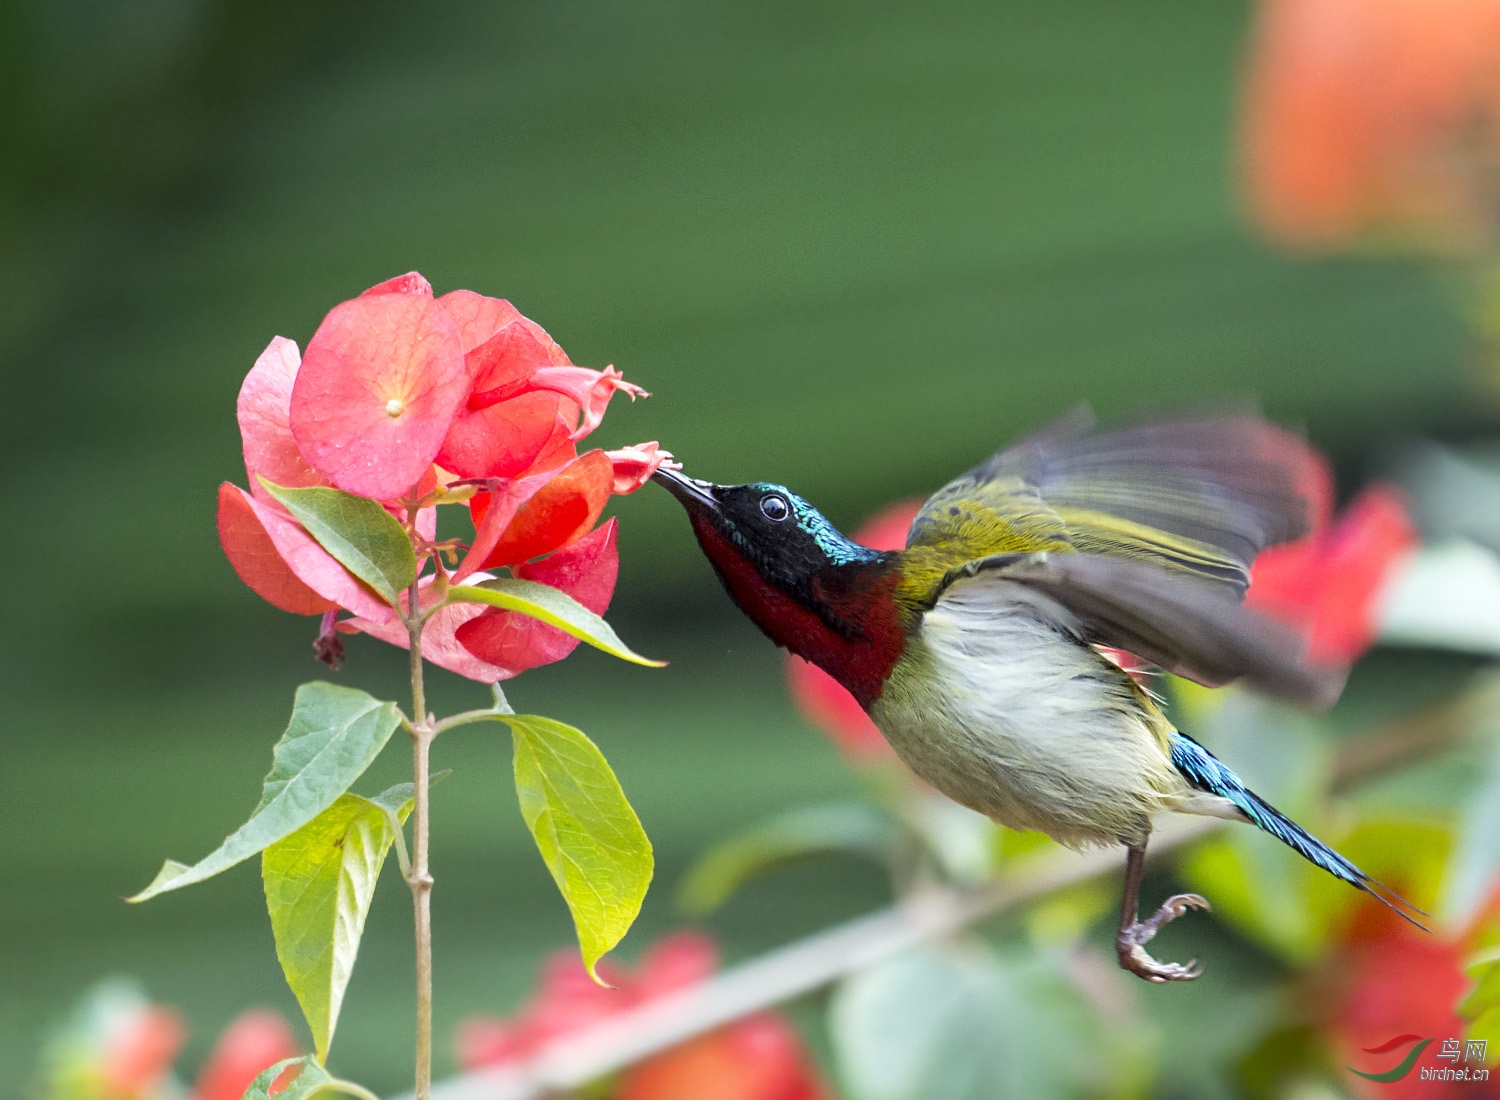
(418, 876)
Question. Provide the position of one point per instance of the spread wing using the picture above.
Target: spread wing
(1195, 497)
(1194, 628)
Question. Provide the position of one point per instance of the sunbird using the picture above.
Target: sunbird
(977, 649)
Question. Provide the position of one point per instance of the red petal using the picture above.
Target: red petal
(295, 550)
(560, 512)
(502, 440)
(410, 283)
(590, 390)
(560, 448)
(487, 1041)
(254, 1042)
(492, 513)
(379, 385)
(438, 643)
(254, 557)
(503, 364)
(887, 528)
(264, 411)
(587, 571)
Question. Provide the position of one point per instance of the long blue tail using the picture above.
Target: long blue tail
(1206, 772)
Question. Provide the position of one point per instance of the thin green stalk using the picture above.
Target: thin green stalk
(418, 875)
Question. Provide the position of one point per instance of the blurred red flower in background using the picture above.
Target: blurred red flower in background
(1387, 979)
(1328, 583)
(409, 399)
(1373, 116)
(121, 1046)
(757, 1058)
(822, 699)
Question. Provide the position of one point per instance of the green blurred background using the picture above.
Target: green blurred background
(850, 247)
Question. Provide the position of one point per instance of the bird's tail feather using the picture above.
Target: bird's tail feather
(1207, 772)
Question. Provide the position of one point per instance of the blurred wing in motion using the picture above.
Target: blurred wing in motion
(1188, 626)
(1194, 497)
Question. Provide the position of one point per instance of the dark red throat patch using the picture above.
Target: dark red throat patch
(859, 597)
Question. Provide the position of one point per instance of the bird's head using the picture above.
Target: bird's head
(805, 584)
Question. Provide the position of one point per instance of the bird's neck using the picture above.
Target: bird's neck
(842, 616)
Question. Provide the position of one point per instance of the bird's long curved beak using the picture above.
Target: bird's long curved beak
(690, 492)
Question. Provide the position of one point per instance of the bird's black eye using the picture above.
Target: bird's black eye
(774, 506)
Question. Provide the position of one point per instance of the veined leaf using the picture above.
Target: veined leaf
(553, 607)
(588, 834)
(334, 735)
(319, 882)
(365, 538)
(311, 1079)
(851, 828)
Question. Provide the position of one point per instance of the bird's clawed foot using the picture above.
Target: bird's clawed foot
(1131, 940)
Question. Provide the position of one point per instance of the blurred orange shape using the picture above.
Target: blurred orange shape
(1373, 116)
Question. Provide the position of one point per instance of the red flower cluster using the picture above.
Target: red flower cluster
(1329, 582)
(416, 401)
(758, 1058)
(1373, 116)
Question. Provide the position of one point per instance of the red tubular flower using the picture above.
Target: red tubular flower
(1329, 583)
(1380, 115)
(254, 1042)
(759, 1058)
(822, 699)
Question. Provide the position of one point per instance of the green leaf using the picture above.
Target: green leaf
(365, 538)
(319, 882)
(851, 828)
(310, 1080)
(587, 832)
(334, 735)
(553, 607)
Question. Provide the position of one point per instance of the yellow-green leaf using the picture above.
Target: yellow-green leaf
(587, 832)
(319, 882)
(334, 735)
(365, 538)
(553, 607)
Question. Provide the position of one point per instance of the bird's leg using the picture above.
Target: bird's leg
(1134, 934)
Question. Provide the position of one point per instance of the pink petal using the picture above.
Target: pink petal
(635, 465)
(589, 389)
(503, 440)
(587, 571)
(254, 557)
(139, 1051)
(410, 283)
(379, 386)
(264, 413)
(438, 643)
(315, 567)
(479, 317)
